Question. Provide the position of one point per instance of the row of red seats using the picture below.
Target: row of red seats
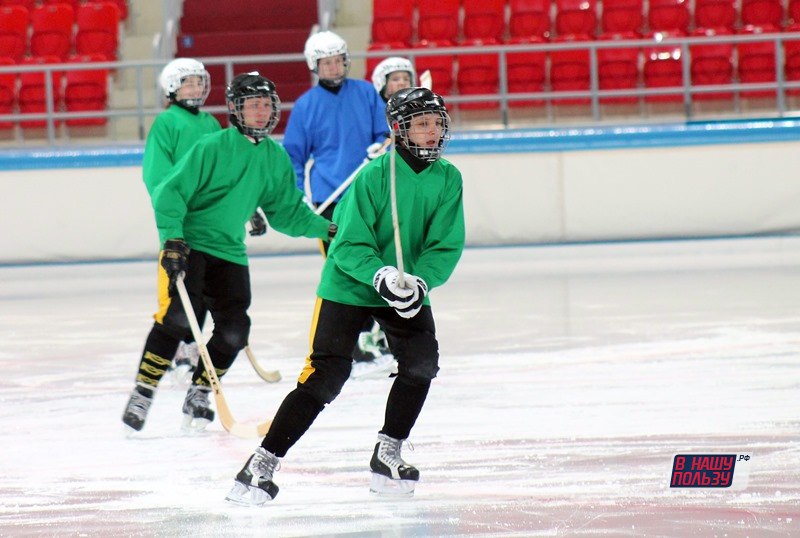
(73, 91)
(443, 23)
(30, 5)
(59, 30)
(650, 66)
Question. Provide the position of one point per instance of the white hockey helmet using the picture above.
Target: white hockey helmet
(388, 66)
(175, 72)
(324, 45)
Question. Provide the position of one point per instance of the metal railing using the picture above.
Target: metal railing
(147, 104)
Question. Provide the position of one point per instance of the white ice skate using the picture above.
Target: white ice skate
(253, 485)
(372, 358)
(391, 476)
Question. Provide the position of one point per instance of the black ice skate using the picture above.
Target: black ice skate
(390, 474)
(137, 408)
(253, 485)
(197, 412)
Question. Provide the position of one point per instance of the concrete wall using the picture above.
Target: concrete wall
(510, 198)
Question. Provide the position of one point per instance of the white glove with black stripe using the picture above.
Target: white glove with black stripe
(407, 301)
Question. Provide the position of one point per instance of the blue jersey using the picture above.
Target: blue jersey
(335, 129)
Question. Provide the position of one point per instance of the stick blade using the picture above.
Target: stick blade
(426, 79)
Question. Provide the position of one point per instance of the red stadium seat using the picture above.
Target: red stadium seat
(72, 3)
(86, 91)
(622, 16)
(712, 65)
(484, 19)
(526, 72)
(762, 13)
(392, 21)
(32, 96)
(27, 4)
(51, 30)
(477, 74)
(529, 18)
(792, 64)
(576, 17)
(715, 14)
(438, 21)
(8, 92)
(98, 29)
(663, 69)
(756, 61)
(794, 14)
(441, 68)
(570, 71)
(122, 6)
(668, 16)
(618, 68)
(14, 22)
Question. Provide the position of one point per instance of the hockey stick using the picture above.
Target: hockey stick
(245, 431)
(398, 247)
(346, 183)
(426, 80)
(270, 376)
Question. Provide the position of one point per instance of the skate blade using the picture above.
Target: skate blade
(245, 495)
(129, 432)
(194, 425)
(388, 487)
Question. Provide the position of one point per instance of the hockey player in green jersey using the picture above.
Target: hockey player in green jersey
(201, 209)
(185, 84)
(360, 279)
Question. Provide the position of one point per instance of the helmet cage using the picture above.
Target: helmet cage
(325, 45)
(380, 76)
(402, 126)
(246, 87)
(409, 103)
(176, 72)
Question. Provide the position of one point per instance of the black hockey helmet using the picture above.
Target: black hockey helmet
(246, 86)
(407, 103)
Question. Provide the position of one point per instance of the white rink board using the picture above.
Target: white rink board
(510, 198)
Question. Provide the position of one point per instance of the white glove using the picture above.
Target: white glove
(407, 301)
(375, 150)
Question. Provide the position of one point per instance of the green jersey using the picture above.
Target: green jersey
(431, 217)
(173, 133)
(214, 189)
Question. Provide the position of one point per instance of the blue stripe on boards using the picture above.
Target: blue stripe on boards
(625, 136)
(71, 157)
(497, 141)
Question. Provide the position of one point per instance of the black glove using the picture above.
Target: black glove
(174, 259)
(258, 226)
(332, 229)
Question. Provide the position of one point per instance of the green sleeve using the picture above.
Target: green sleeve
(283, 202)
(158, 158)
(171, 197)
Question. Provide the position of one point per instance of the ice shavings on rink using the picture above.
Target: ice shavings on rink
(570, 377)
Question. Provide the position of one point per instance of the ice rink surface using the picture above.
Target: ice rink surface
(570, 377)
